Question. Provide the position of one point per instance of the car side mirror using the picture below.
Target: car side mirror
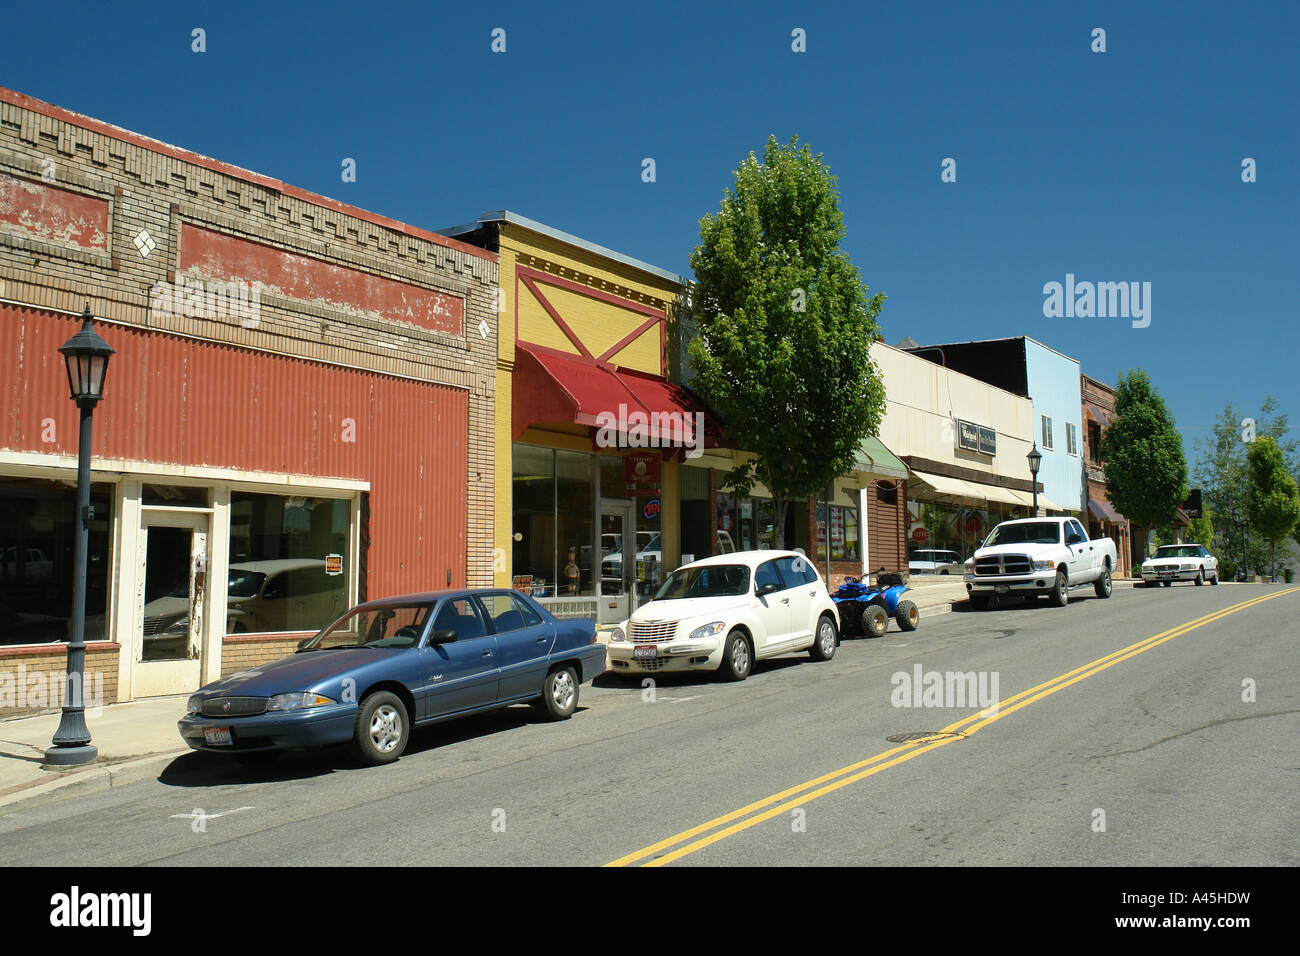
(443, 636)
(768, 588)
(1073, 538)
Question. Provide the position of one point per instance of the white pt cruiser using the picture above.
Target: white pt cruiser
(725, 612)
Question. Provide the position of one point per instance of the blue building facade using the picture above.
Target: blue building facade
(1050, 380)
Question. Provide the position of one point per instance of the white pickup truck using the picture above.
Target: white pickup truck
(1032, 556)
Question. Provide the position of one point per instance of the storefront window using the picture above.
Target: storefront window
(697, 541)
(575, 494)
(533, 520)
(649, 544)
(843, 532)
(37, 533)
(288, 562)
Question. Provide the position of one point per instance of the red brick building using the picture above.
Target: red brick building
(299, 414)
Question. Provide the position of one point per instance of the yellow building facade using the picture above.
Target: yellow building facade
(588, 502)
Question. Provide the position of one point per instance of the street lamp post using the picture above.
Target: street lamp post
(1241, 526)
(1035, 460)
(86, 357)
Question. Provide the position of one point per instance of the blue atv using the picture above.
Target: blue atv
(866, 609)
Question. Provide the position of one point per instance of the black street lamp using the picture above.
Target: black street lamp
(1035, 460)
(1241, 526)
(86, 357)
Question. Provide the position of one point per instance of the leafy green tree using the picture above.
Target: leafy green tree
(1273, 502)
(784, 327)
(1222, 475)
(1200, 530)
(1146, 473)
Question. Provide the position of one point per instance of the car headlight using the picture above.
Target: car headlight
(298, 701)
(969, 566)
(618, 636)
(1045, 564)
(707, 630)
(193, 704)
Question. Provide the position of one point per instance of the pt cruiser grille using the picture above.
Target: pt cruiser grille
(233, 706)
(646, 633)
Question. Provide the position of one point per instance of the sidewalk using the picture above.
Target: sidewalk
(135, 740)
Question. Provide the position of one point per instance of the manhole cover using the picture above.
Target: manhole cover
(922, 735)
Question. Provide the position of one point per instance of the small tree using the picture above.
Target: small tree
(1146, 473)
(784, 328)
(1272, 501)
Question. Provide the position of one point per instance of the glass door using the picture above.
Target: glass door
(617, 562)
(171, 603)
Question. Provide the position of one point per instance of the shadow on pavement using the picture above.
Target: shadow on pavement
(203, 769)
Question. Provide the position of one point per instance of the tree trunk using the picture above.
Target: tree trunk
(780, 505)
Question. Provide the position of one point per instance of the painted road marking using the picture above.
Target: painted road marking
(828, 783)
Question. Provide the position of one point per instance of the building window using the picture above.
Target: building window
(37, 530)
(1094, 443)
(281, 578)
(1047, 433)
(1071, 439)
(843, 530)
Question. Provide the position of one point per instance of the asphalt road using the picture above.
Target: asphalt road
(1149, 757)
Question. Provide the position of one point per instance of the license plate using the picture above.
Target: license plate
(1166, 574)
(1004, 589)
(646, 652)
(217, 736)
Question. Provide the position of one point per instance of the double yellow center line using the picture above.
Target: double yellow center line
(755, 813)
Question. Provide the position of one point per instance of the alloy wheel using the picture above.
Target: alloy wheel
(385, 728)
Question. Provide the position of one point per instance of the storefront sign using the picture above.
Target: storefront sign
(333, 564)
(976, 438)
(651, 508)
(640, 471)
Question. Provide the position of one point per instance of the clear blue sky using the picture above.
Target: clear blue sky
(1115, 166)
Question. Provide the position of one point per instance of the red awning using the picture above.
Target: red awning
(1103, 510)
(550, 386)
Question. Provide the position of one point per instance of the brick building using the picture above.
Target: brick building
(1103, 519)
(299, 414)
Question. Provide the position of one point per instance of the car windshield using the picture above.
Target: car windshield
(1181, 551)
(392, 626)
(714, 580)
(1031, 532)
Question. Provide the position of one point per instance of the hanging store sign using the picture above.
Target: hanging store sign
(976, 438)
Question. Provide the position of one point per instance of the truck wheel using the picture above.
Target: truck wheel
(908, 616)
(979, 602)
(1102, 585)
(1060, 595)
(874, 621)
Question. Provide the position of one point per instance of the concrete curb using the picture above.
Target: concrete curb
(88, 780)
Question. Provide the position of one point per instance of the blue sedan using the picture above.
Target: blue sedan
(387, 666)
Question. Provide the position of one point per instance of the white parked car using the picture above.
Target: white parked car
(1032, 556)
(1180, 562)
(934, 562)
(725, 612)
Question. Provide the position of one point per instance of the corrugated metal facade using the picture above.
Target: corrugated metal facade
(182, 401)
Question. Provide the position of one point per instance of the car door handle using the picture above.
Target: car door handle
(487, 653)
(785, 600)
